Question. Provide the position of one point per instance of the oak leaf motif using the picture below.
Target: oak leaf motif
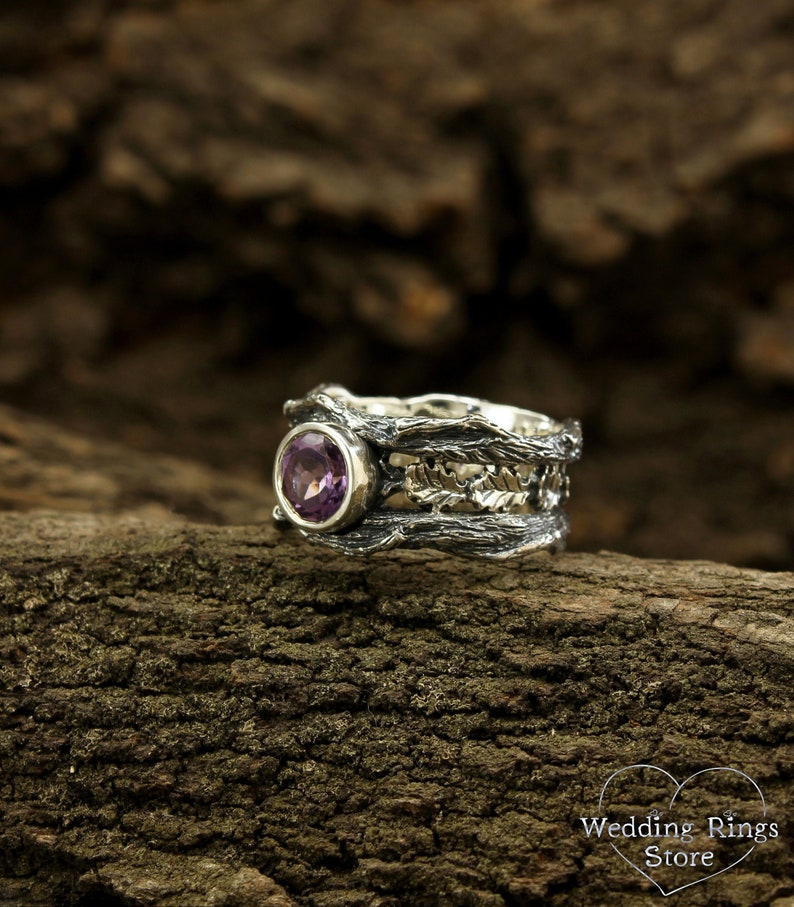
(434, 485)
(500, 491)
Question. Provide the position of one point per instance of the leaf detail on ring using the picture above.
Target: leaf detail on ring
(434, 485)
(499, 491)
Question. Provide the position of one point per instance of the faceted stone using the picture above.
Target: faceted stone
(314, 476)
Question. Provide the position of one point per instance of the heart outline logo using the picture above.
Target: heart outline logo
(679, 788)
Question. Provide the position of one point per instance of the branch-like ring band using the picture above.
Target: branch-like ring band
(364, 474)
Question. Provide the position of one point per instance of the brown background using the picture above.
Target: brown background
(581, 206)
(585, 208)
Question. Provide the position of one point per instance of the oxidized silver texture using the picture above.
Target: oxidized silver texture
(475, 478)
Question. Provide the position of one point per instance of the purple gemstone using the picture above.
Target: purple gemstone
(313, 476)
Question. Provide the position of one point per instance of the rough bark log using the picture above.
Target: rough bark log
(223, 715)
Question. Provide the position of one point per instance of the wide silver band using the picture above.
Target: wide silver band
(438, 471)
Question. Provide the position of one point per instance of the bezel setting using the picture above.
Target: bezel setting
(361, 477)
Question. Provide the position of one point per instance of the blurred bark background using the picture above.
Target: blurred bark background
(586, 208)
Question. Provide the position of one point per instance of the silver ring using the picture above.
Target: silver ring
(364, 474)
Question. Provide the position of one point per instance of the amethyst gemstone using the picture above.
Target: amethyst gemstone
(313, 476)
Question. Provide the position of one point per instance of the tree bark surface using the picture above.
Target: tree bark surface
(197, 714)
